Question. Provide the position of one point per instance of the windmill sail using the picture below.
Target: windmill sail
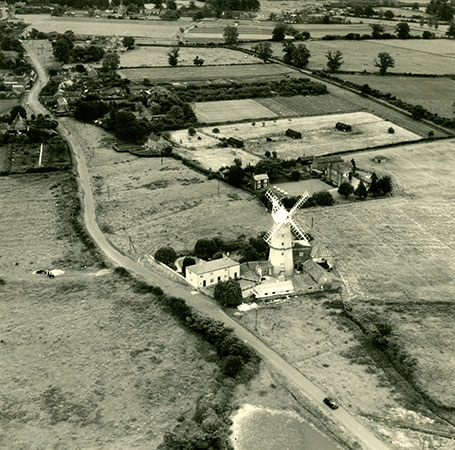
(274, 230)
(299, 232)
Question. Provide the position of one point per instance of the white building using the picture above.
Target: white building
(207, 273)
(273, 289)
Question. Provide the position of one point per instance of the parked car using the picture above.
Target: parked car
(332, 404)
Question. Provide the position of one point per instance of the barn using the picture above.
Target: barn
(234, 142)
(293, 134)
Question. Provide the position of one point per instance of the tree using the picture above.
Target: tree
(228, 293)
(187, 261)
(374, 189)
(231, 35)
(450, 33)
(198, 61)
(111, 61)
(128, 42)
(288, 51)
(171, 5)
(263, 51)
(235, 175)
(279, 32)
(205, 248)
(173, 56)
(301, 56)
(295, 175)
(384, 61)
(63, 49)
(402, 30)
(441, 9)
(166, 255)
(345, 189)
(18, 109)
(334, 60)
(322, 198)
(361, 191)
(389, 14)
(231, 365)
(385, 185)
(158, 4)
(376, 30)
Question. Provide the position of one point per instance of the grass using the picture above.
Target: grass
(7, 104)
(203, 73)
(359, 56)
(431, 93)
(158, 56)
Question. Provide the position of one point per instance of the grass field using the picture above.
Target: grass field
(156, 203)
(359, 55)
(230, 111)
(7, 104)
(160, 31)
(431, 93)
(158, 56)
(207, 73)
(319, 135)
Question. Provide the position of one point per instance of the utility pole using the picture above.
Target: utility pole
(40, 159)
(256, 319)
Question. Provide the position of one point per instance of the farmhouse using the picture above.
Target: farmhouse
(293, 134)
(334, 169)
(208, 273)
(260, 181)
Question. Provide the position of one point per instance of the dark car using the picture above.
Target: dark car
(332, 404)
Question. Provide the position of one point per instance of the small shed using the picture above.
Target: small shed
(340, 126)
(260, 181)
(234, 142)
(273, 289)
(379, 159)
(293, 134)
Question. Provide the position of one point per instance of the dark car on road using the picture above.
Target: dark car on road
(332, 404)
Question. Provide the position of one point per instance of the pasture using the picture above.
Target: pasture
(359, 55)
(7, 104)
(431, 93)
(158, 31)
(230, 111)
(440, 47)
(207, 73)
(319, 135)
(158, 56)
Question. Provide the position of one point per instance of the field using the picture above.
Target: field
(359, 56)
(7, 104)
(319, 135)
(402, 251)
(230, 111)
(156, 203)
(440, 47)
(158, 31)
(158, 56)
(431, 93)
(208, 73)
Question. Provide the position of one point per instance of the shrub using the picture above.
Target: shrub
(187, 261)
(345, 189)
(216, 130)
(431, 133)
(228, 293)
(322, 198)
(191, 131)
(361, 191)
(166, 255)
(295, 175)
(385, 185)
(391, 130)
(231, 365)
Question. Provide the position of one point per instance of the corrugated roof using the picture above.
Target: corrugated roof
(211, 266)
(261, 176)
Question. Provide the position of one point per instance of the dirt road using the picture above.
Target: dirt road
(203, 304)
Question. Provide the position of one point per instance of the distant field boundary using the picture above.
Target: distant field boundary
(191, 65)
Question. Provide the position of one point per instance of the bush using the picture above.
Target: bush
(205, 248)
(231, 365)
(361, 191)
(295, 175)
(228, 293)
(216, 130)
(187, 261)
(166, 255)
(391, 130)
(345, 189)
(322, 198)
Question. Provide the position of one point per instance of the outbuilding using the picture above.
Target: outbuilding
(293, 134)
(260, 181)
(234, 142)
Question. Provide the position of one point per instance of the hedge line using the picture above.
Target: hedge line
(238, 363)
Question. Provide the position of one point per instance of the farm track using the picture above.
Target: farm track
(342, 417)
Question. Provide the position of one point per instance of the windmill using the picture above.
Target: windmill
(280, 236)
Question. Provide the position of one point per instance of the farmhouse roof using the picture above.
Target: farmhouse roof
(211, 266)
(260, 177)
(315, 271)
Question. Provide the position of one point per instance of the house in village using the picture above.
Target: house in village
(260, 181)
(333, 169)
(208, 273)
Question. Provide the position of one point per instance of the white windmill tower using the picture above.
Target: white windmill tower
(280, 238)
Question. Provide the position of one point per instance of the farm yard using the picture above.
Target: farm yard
(158, 56)
(319, 135)
(359, 56)
(208, 73)
(431, 93)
